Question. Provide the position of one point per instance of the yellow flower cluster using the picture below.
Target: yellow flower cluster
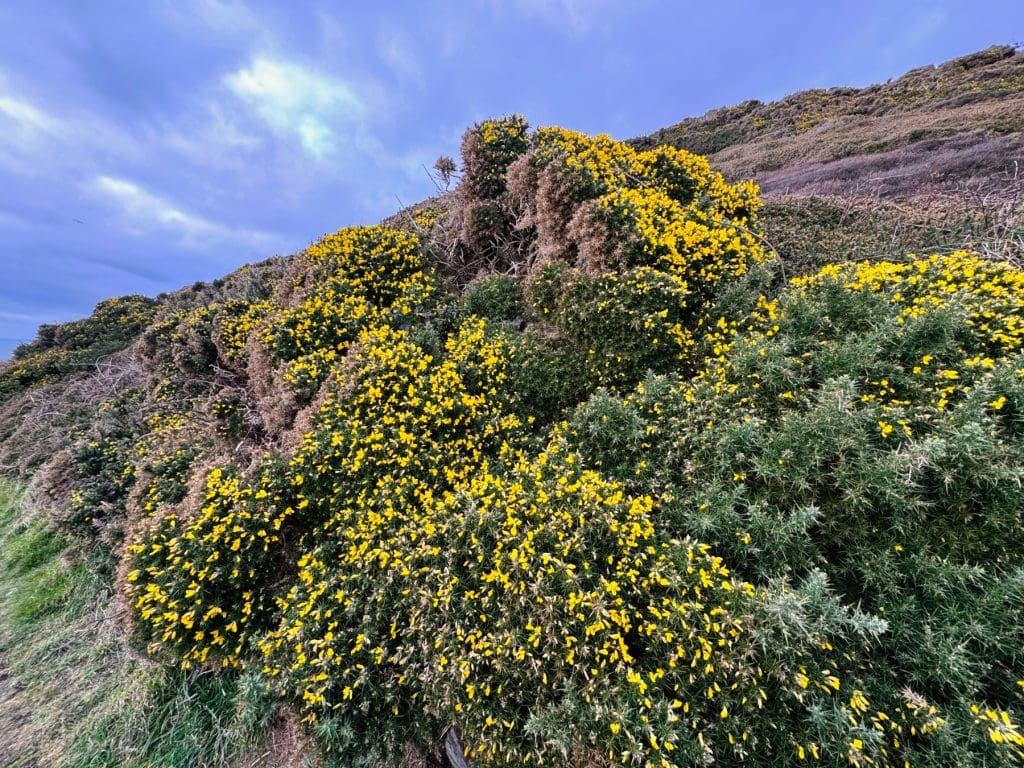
(426, 217)
(879, 739)
(600, 165)
(618, 212)
(985, 298)
(484, 597)
(317, 333)
(195, 584)
(988, 296)
(626, 324)
(235, 323)
(377, 262)
(661, 232)
(159, 462)
(350, 280)
(171, 329)
(408, 428)
(1000, 729)
(488, 148)
(198, 580)
(567, 587)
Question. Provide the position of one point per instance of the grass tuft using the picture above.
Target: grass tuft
(73, 693)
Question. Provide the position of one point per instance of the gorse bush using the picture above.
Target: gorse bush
(346, 282)
(867, 425)
(488, 149)
(523, 605)
(199, 585)
(624, 497)
(61, 351)
(234, 324)
(619, 325)
(102, 461)
(373, 469)
(649, 238)
(617, 207)
(497, 298)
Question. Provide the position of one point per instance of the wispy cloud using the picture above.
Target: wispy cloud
(27, 130)
(299, 102)
(213, 136)
(7, 317)
(39, 139)
(10, 220)
(28, 117)
(576, 18)
(229, 16)
(143, 212)
(397, 51)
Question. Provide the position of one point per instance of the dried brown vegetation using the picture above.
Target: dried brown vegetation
(960, 120)
(923, 168)
(985, 217)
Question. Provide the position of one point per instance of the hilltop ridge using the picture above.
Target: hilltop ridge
(961, 121)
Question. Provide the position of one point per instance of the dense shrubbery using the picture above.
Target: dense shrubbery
(867, 426)
(495, 298)
(199, 585)
(619, 326)
(101, 460)
(73, 348)
(354, 279)
(640, 242)
(488, 149)
(634, 500)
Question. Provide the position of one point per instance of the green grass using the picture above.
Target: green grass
(73, 693)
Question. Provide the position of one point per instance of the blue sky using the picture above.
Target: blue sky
(146, 145)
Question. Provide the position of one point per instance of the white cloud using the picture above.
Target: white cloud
(27, 117)
(142, 212)
(28, 134)
(316, 109)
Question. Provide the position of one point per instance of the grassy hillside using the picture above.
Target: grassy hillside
(598, 460)
(961, 121)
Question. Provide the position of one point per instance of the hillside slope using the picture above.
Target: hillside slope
(961, 122)
(596, 461)
(929, 162)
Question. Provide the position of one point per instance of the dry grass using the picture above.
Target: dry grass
(75, 693)
(36, 424)
(986, 217)
(286, 744)
(911, 169)
(961, 120)
(990, 76)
